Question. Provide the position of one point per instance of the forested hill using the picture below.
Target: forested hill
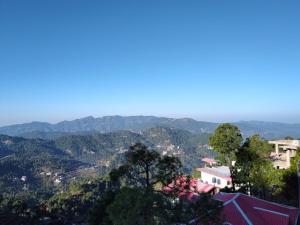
(106, 149)
(72, 153)
(268, 130)
(29, 157)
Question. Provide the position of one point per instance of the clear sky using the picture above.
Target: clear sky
(211, 60)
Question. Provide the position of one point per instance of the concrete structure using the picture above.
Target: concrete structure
(284, 151)
(217, 176)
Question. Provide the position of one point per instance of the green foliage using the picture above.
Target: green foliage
(253, 168)
(74, 204)
(289, 192)
(20, 208)
(254, 171)
(207, 210)
(99, 148)
(98, 215)
(141, 202)
(196, 174)
(226, 140)
(146, 168)
(28, 158)
(135, 206)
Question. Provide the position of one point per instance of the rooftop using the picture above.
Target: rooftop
(241, 209)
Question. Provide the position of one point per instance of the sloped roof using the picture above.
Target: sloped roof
(209, 160)
(189, 188)
(240, 209)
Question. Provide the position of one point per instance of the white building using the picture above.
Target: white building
(57, 181)
(284, 151)
(217, 176)
(24, 178)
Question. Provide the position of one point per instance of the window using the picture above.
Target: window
(219, 181)
(214, 180)
(228, 182)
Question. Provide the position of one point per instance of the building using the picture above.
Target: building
(284, 151)
(240, 209)
(24, 178)
(189, 188)
(217, 176)
(209, 162)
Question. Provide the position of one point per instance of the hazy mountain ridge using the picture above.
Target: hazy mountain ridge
(269, 130)
(108, 124)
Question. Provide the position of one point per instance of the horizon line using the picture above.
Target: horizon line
(157, 116)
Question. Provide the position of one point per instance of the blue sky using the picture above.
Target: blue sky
(210, 60)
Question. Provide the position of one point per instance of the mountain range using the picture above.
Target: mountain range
(268, 130)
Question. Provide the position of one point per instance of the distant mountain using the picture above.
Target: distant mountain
(108, 124)
(269, 130)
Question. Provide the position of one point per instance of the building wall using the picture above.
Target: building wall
(208, 178)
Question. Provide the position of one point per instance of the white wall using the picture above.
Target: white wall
(208, 178)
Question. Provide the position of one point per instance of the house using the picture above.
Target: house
(217, 176)
(48, 174)
(57, 180)
(241, 209)
(189, 188)
(209, 162)
(284, 151)
(24, 178)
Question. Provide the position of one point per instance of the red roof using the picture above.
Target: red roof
(209, 161)
(189, 188)
(240, 209)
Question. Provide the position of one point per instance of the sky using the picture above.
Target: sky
(212, 60)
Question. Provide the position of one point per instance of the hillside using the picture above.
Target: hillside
(268, 130)
(29, 157)
(107, 149)
(87, 154)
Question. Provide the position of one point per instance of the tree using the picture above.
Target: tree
(290, 182)
(143, 198)
(146, 168)
(98, 214)
(226, 140)
(207, 211)
(135, 206)
(73, 204)
(251, 162)
(254, 171)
